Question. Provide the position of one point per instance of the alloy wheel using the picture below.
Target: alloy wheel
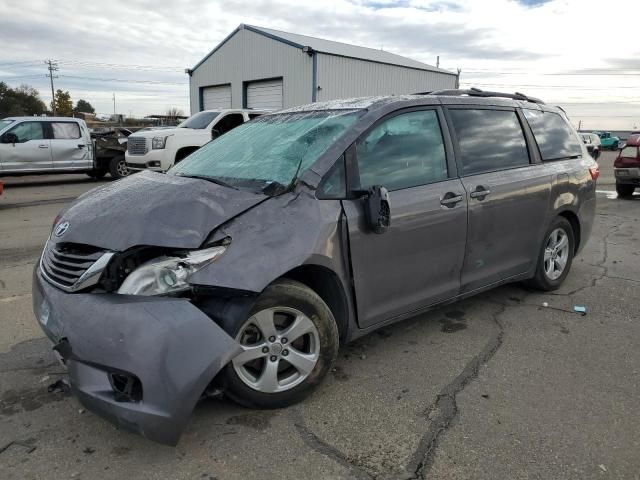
(281, 347)
(556, 254)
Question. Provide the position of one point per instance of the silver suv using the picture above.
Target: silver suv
(44, 144)
(248, 264)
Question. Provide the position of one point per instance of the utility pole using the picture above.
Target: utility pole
(114, 104)
(438, 61)
(52, 67)
(580, 125)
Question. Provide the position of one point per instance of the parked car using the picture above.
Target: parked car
(45, 145)
(592, 141)
(626, 167)
(608, 141)
(247, 265)
(110, 146)
(160, 150)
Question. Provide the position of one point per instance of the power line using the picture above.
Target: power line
(575, 87)
(148, 82)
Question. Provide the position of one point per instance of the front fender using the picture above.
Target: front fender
(275, 237)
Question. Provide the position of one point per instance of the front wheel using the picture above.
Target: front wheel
(556, 255)
(118, 167)
(290, 342)
(624, 191)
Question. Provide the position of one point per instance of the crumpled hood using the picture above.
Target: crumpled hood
(150, 208)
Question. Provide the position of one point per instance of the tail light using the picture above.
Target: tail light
(595, 172)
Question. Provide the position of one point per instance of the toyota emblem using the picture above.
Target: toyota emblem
(61, 229)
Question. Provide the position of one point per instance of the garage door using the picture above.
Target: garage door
(265, 95)
(215, 98)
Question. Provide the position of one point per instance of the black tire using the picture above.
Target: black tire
(118, 167)
(291, 294)
(624, 191)
(541, 281)
(614, 146)
(97, 174)
(184, 153)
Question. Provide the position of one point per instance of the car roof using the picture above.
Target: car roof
(45, 119)
(233, 110)
(448, 97)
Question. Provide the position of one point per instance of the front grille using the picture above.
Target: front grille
(137, 145)
(64, 265)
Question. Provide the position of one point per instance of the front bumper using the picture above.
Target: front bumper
(152, 160)
(173, 348)
(627, 176)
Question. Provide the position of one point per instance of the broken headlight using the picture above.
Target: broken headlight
(168, 274)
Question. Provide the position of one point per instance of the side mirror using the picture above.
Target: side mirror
(377, 209)
(215, 133)
(10, 138)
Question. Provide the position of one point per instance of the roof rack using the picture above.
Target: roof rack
(476, 92)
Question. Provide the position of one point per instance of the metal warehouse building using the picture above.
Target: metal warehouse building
(261, 68)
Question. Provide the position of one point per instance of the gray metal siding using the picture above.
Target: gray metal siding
(248, 56)
(341, 77)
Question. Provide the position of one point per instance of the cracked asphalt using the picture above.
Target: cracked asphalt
(496, 386)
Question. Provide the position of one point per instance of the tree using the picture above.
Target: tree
(173, 113)
(63, 104)
(84, 107)
(23, 100)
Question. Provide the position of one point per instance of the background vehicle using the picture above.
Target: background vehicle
(159, 150)
(627, 167)
(110, 147)
(607, 141)
(45, 145)
(592, 141)
(267, 248)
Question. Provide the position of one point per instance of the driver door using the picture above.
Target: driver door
(418, 260)
(31, 150)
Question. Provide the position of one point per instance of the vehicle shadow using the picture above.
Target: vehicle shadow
(48, 181)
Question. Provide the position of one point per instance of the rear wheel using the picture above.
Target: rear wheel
(290, 342)
(118, 167)
(555, 257)
(624, 191)
(614, 146)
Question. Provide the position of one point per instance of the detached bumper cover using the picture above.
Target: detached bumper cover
(173, 348)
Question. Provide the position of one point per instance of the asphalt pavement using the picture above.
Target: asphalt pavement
(495, 387)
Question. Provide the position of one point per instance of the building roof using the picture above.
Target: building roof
(331, 47)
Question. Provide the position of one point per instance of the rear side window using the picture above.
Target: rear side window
(402, 152)
(553, 136)
(489, 140)
(26, 131)
(65, 130)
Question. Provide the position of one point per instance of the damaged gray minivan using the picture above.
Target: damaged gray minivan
(246, 266)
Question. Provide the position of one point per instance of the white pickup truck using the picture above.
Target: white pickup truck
(160, 149)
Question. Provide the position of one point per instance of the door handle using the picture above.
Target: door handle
(81, 145)
(480, 192)
(450, 199)
(43, 146)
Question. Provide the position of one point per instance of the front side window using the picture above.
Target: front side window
(229, 122)
(404, 151)
(199, 121)
(271, 149)
(28, 131)
(489, 140)
(553, 135)
(65, 130)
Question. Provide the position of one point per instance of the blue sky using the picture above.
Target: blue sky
(556, 49)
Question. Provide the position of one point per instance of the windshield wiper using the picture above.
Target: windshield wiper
(217, 181)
